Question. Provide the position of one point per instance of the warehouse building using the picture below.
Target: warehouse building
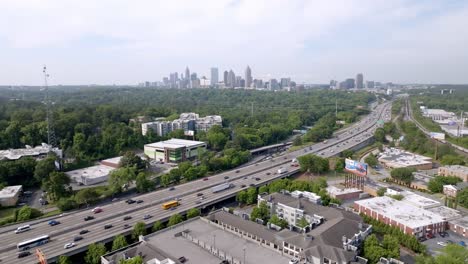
(409, 218)
(90, 175)
(343, 193)
(9, 195)
(454, 170)
(174, 150)
(38, 152)
(396, 158)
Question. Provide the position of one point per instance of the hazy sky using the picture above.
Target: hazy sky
(129, 41)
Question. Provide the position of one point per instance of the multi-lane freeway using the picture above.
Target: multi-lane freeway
(188, 193)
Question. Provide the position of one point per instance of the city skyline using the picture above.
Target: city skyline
(405, 41)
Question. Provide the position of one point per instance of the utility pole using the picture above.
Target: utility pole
(51, 140)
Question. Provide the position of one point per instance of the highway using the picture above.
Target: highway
(73, 223)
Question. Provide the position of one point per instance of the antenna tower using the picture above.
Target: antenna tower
(51, 140)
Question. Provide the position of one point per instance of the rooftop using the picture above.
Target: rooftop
(404, 213)
(338, 191)
(10, 191)
(446, 212)
(96, 171)
(174, 143)
(14, 154)
(456, 168)
(418, 200)
(463, 222)
(115, 160)
(397, 158)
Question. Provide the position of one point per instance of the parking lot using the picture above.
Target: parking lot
(432, 246)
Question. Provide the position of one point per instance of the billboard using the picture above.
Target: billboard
(437, 135)
(356, 167)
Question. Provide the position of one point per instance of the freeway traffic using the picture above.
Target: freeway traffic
(113, 214)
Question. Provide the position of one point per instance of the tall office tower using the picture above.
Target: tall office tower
(248, 77)
(232, 79)
(285, 82)
(359, 81)
(214, 77)
(350, 83)
(370, 85)
(273, 84)
(226, 78)
(187, 73)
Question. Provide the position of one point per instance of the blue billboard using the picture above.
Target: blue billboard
(356, 167)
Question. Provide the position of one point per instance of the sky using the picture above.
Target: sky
(311, 41)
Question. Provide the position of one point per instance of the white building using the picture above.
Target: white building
(174, 150)
(37, 152)
(9, 195)
(90, 175)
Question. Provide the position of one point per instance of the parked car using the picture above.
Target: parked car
(53, 222)
(422, 239)
(237, 171)
(84, 231)
(24, 254)
(257, 179)
(243, 185)
(89, 217)
(77, 238)
(68, 245)
(462, 243)
(205, 179)
(430, 235)
(443, 234)
(449, 242)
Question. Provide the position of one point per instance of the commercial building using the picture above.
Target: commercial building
(454, 170)
(174, 150)
(9, 195)
(112, 162)
(214, 77)
(198, 240)
(343, 193)
(408, 218)
(186, 121)
(359, 81)
(248, 77)
(397, 158)
(437, 114)
(90, 175)
(38, 152)
(459, 226)
(309, 196)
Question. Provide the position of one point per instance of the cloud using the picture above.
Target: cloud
(312, 41)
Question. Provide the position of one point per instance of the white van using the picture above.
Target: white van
(22, 229)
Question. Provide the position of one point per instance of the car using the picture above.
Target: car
(89, 217)
(24, 254)
(97, 210)
(77, 238)
(257, 179)
(443, 234)
(127, 218)
(108, 226)
(139, 201)
(127, 226)
(226, 177)
(462, 243)
(54, 222)
(268, 173)
(114, 199)
(199, 194)
(243, 185)
(430, 235)
(245, 178)
(68, 245)
(205, 179)
(182, 259)
(201, 198)
(130, 201)
(237, 171)
(441, 243)
(172, 188)
(149, 216)
(84, 231)
(251, 185)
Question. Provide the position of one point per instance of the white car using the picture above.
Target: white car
(294, 261)
(68, 245)
(440, 243)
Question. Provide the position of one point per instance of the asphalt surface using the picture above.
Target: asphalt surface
(73, 223)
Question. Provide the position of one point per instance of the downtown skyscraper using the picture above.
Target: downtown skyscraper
(359, 81)
(214, 76)
(248, 77)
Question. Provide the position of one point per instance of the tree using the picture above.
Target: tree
(55, 185)
(175, 175)
(95, 251)
(64, 260)
(130, 159)
(381, 191)
(143, 184)
(263, 189)
(452, 160)
(463, 197)
(120, 178)
(251, 195)
(66, 204)
(139, 229)
(241, 197)
(450, 254)
(302, 223)
(347, 153)
(119, 242)
(26, 213)
(86, 196)
(193, 212)
(403, 174)
(278, 221)
(260, 212)
(157, 226)
(437, 183)
(134, 260)
(44, 168)
(313, 163)
(340, 165)
(392, 246)
(379, 135)
(297, 141)
(165, 180)
(371, 160)
(174, 220)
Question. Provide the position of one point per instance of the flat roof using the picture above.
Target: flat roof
(456, 168)
(337, 191)
(14, 154)
(398, 158)
(10, 191)
(418, 200)
(404, 213)
(174, 143)
(207, 233)
(96, 171)
(446, 212)
(463, 222)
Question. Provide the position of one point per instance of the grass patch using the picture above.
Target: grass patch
(51, 213)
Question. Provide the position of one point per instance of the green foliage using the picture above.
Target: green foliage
(174, 220)
(373, 250)
(44, 168)
(302, 223)
(64, 260)
(119, 242)
(340, 165)
(260, 212)
(134, 260)
(120, 178)
(139, 229)
(371, 160)
(437, 183)
(278, 221)
(56, 185)
(26, 213)
(251, 195)
(404, 175)
(86, 196)
(450, 254)
(94, 253)
(143, 184)
(157, 226)
(313, 163)
(452, 160)
(397, 197)
(463, 197)
(297, 141)
(130, 159)
(18, 172)
(241, 197)
(381, 191)
(66, 204)
(347, 153)
(322, 129)
(193, 212)
(379, 135)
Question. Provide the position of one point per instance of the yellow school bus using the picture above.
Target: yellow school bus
(170, 204)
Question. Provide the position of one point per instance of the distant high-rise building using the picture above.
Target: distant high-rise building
(193, 76)
(238, 81)
(248, 77)
(232, 79)
(226, 78)
(273, 84)
(359, 81)
(349, 83)
(214, 76)
(285, 82)
(370, 84)
(187, 73)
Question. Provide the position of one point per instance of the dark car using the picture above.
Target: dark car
(226, 177)
(149, 216)
(422, 239)
(251, 185)
(87, 218)
(84, 231)
(430, 235)
(53, 222)
(77, 238)
(443, 234)
(127, 218)
(257, 179)
(24, 254)
(268, 173)
(199, 194)
(130, 201)
(126, 226)
(172, 188)
(243, 185)
(139, 201)
(182, 259)
(108, 226)
(237, 171)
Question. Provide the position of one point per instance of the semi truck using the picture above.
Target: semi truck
(221, 187)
